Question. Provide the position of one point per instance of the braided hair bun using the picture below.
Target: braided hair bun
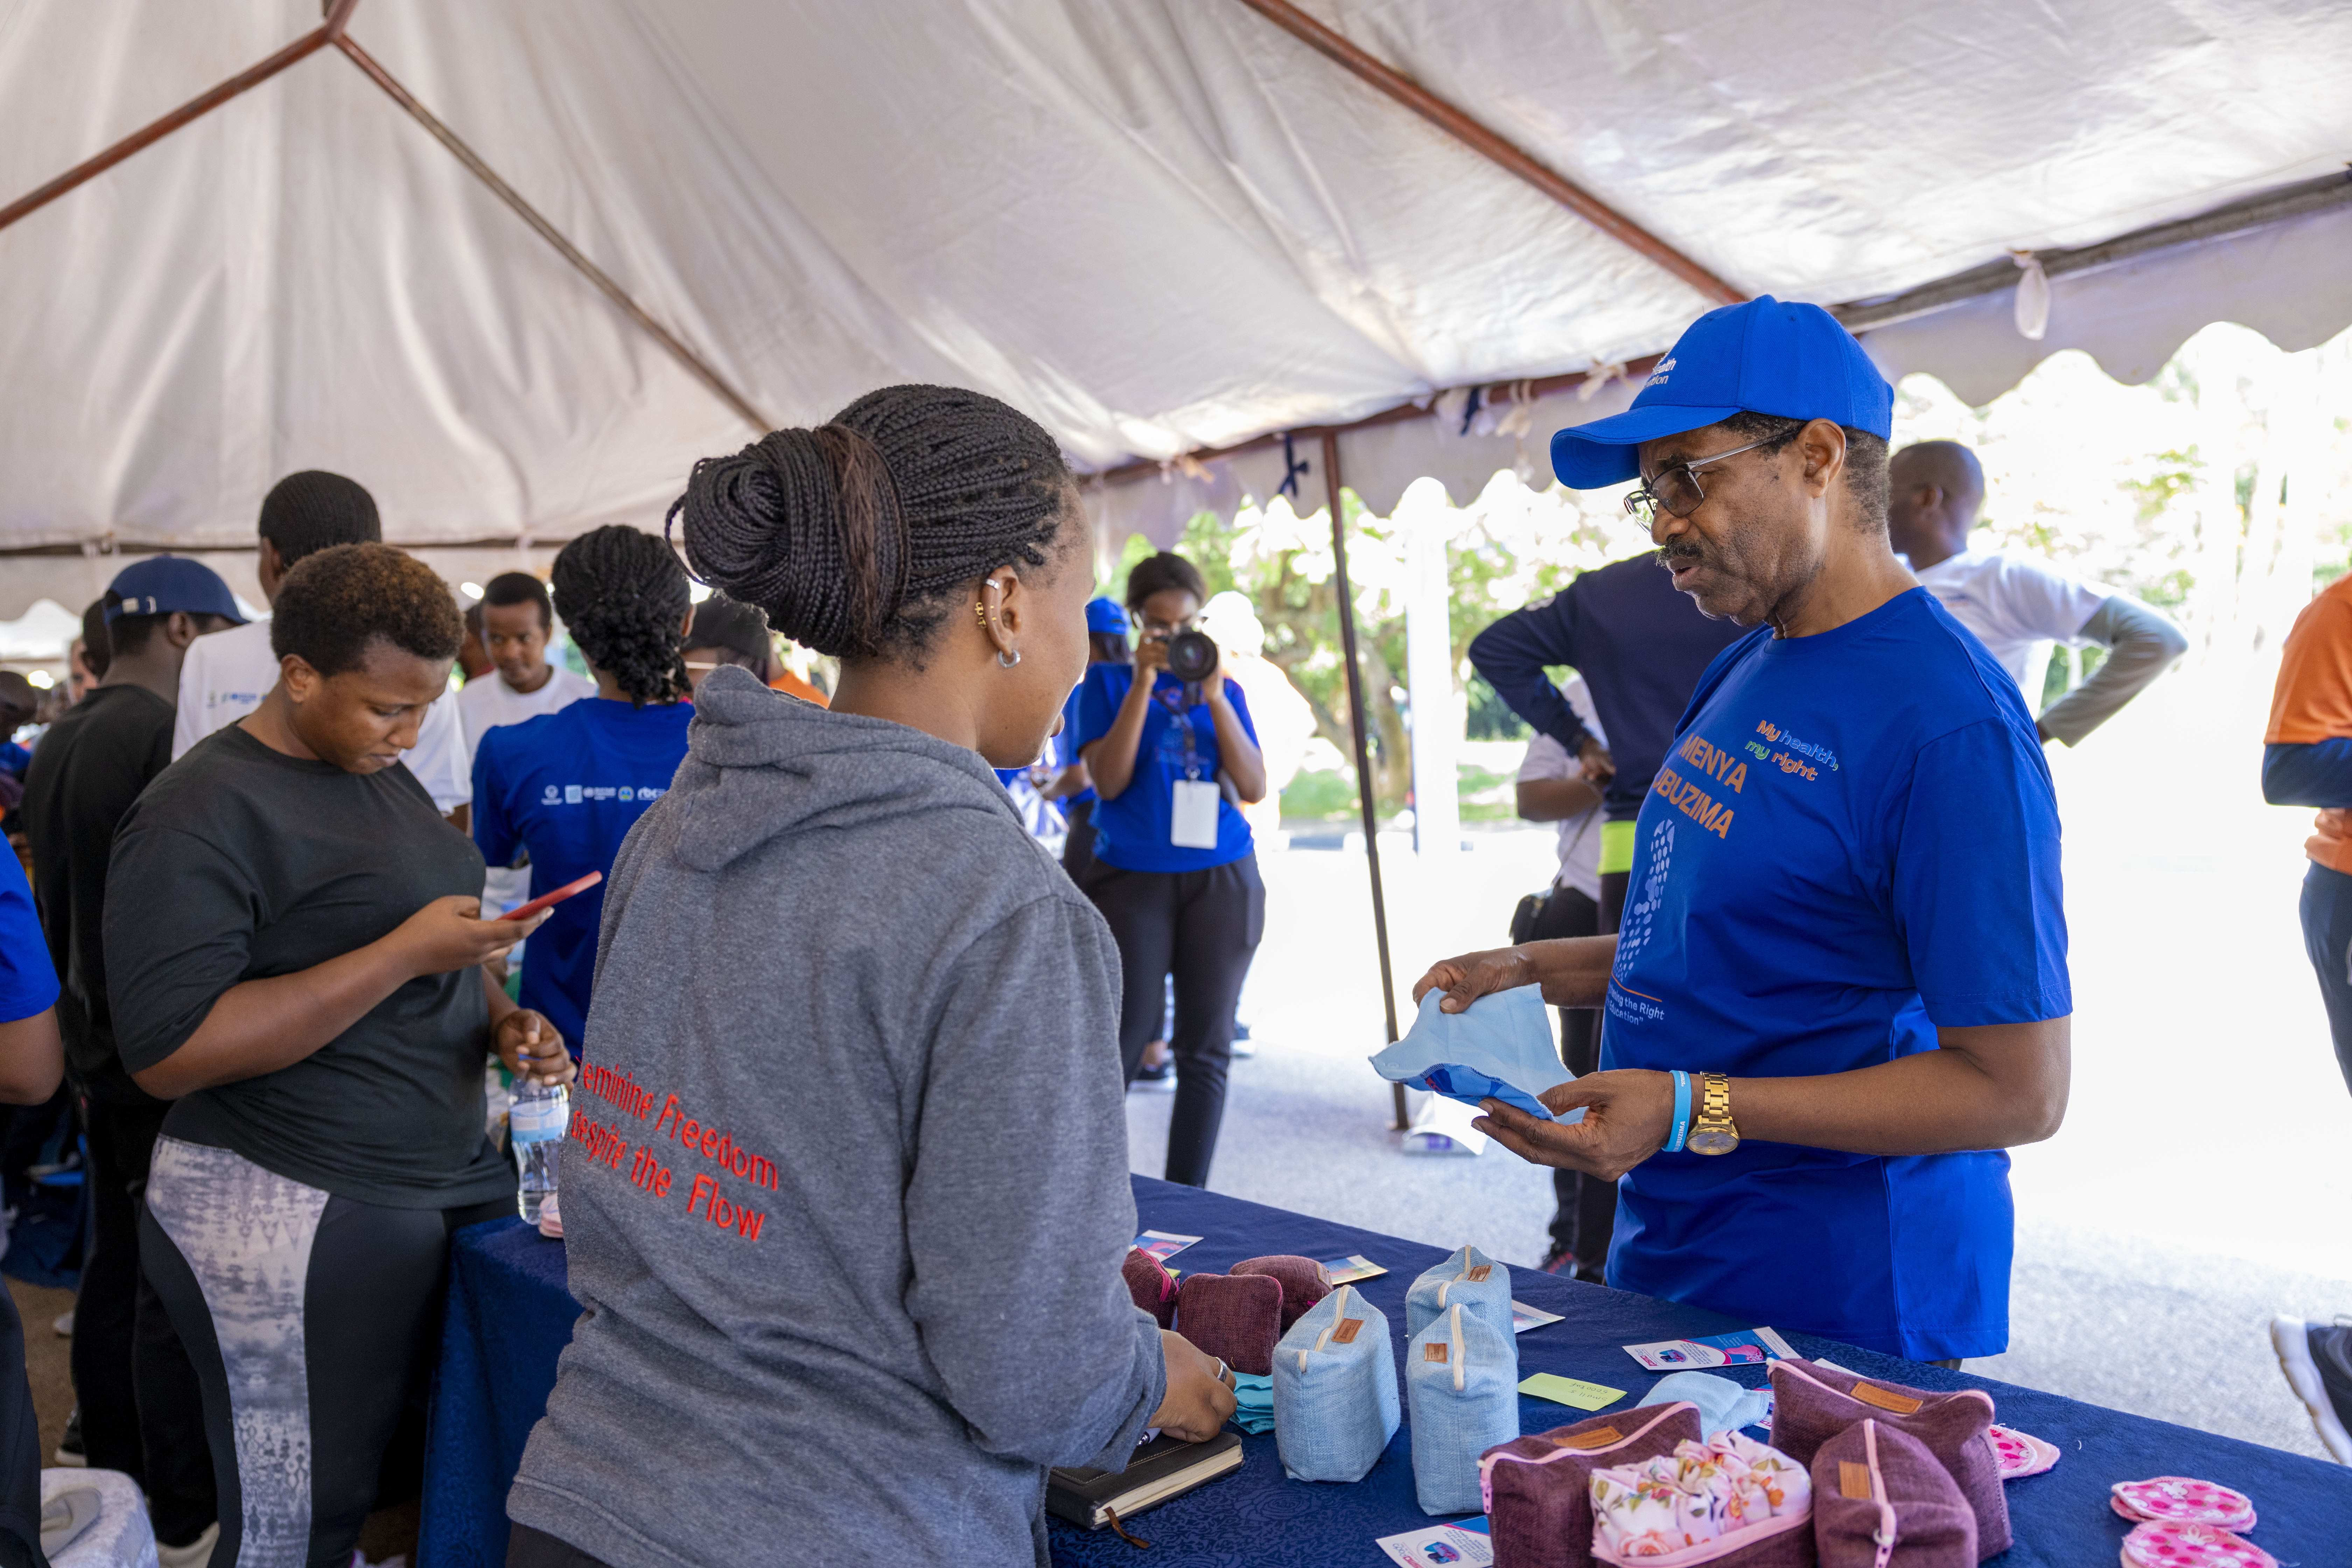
(623, 598)
(854, 536)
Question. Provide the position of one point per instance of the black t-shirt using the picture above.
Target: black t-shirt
(241, 863)
(89, 768)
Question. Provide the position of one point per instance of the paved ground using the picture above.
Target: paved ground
(2200, 1181)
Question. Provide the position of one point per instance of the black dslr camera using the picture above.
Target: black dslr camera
(1191, 657)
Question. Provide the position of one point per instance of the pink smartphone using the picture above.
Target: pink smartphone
(524, 911)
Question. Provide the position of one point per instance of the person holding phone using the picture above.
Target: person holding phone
(294, 956)
(567, 786)
(861, 1281)
(1175, 869)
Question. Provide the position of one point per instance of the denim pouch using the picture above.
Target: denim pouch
(1538, 1489)
(1335, 1390)
(1813, 1403)
(1461, 1385)
(1470, 1277)
(1237, 1317)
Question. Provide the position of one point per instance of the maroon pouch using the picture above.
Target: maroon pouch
(1235, 1316)
(1882, 1500)
(1304, 1282)
(1538, 1489)
(1811, 1404)
(1153, 1288)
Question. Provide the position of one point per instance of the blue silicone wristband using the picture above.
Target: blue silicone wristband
(1682, 1113)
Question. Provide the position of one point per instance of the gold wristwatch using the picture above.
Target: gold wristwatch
(1712, 1131)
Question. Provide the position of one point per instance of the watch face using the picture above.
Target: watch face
(1712, 1140)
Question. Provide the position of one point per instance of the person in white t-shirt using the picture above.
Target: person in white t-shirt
(1552, 786)
(226, 676)
(517, 622)
(2017, 606)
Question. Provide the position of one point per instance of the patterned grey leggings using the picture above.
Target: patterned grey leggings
(312, 1321)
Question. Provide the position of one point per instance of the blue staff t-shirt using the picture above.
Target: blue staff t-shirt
(1853, 841)
(568, 786)
(1131, 832)
(28, 981)
(1064, 747)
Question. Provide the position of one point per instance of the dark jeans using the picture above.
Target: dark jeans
(142, 1410)
(2327, 939)
(1587, 1212)
(1202, 929)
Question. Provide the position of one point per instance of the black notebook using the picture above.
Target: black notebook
(1162, 1469)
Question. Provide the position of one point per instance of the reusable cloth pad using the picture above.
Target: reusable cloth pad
(1252, 1403)
(1500, 1048)
(1723, 1405)
(1728, 1499)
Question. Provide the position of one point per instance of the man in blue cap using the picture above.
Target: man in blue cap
(141, 1412)
(1840, 985)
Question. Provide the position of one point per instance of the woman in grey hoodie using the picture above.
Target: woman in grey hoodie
(846, 1194)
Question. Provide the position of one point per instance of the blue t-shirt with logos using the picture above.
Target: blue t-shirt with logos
(1131, 832)
(1853, 841)
(1064, 747)
(28, 981)
(568, 786)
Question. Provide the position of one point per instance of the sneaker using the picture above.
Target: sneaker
(2317, 1361)
(1241, 1046)
(63, 1323)
(1557, 1262)
(70, 1452)
(196, 1553)
(1160, 1076)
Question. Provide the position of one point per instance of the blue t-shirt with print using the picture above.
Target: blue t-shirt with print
(1131, 832)
(568, 786)
(1853, 842)
(28, 981)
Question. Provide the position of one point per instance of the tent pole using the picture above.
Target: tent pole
(694, 364)
(1388, 79)
(195, 109)
(1363, 750)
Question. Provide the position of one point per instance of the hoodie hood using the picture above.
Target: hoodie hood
(760, 765)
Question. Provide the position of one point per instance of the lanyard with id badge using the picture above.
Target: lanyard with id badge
(1193, 808)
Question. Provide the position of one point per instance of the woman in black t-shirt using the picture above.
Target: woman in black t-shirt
(294, 954)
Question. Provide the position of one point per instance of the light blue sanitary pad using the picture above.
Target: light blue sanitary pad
(1500, 1048)
(1723, 1405)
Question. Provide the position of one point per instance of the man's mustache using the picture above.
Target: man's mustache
(1681, 550)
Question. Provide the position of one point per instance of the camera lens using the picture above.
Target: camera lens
(1191, 657)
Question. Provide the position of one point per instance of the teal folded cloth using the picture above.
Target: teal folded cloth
(1252, 1403)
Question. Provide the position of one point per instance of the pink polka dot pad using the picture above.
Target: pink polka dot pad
(2173, 1543)
(2021, 1454)
(2181, 1499)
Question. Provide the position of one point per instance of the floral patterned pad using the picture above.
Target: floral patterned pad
(2171, 1543)
(2021, 1454)
(2184, 1500)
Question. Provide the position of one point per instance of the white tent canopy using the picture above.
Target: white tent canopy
(1156, 224)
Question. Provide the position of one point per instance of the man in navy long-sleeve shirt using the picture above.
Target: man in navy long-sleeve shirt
(1641, 646)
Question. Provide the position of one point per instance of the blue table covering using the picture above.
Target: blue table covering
(510, 1317)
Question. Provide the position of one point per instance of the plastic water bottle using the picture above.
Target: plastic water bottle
(536, 1126)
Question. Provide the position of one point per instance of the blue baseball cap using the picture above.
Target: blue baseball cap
(1763, 357)
(162, 584)
(1107, 616)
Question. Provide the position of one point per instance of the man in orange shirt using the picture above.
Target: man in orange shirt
(2307, 761)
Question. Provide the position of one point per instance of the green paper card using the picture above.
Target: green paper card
(1574, 1393)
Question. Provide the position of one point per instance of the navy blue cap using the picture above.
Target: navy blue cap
(1107, 616)
(1763, 357)
(162, 584)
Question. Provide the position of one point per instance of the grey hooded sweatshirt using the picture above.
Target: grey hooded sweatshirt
(845, 1189)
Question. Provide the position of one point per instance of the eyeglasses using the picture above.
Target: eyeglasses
(1676, 488)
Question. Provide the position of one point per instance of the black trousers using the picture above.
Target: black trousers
(142, 1410)
(1586, 1213)
(2327, 939)
(323, 1374)
(1202, 927)
(1078, 849)
(529, 1548)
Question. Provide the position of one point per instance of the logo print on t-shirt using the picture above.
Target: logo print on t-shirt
(1642, 917)
(551, 796)
(628, 794)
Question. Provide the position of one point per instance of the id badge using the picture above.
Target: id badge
(1192, 814)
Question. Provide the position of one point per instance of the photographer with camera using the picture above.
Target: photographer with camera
(1174, 757)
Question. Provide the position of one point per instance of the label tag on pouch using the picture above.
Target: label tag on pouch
(1192, 814)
